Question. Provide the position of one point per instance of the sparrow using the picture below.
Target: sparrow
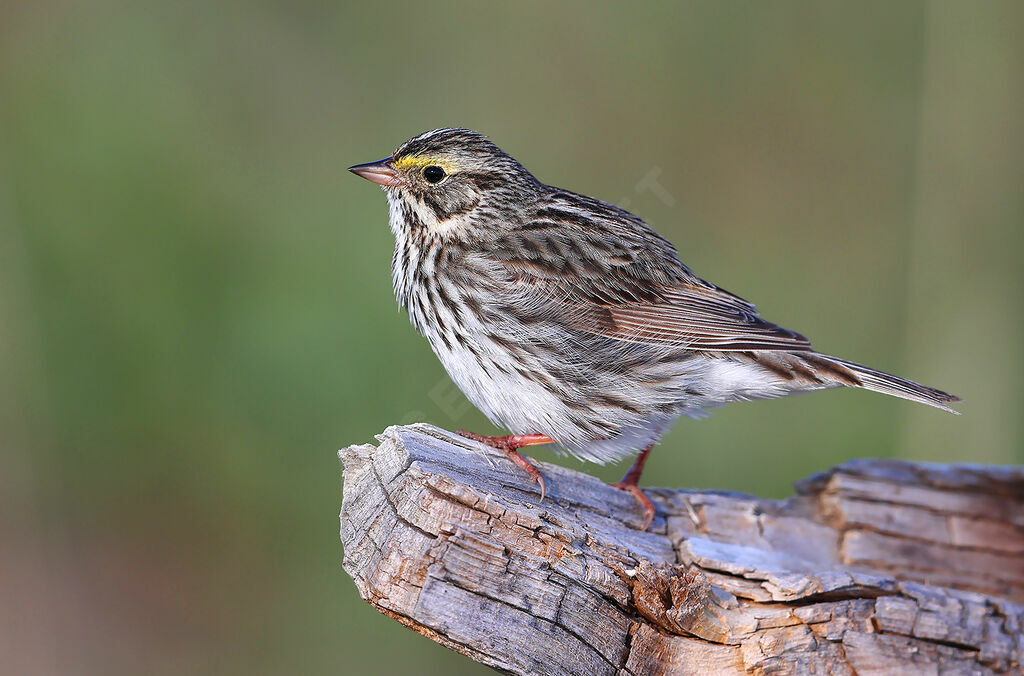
(570, 321)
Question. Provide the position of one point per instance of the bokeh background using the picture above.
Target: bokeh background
(195, 297)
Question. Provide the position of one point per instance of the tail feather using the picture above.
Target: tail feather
(879, 381)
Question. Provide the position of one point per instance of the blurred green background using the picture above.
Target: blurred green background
(196, 304)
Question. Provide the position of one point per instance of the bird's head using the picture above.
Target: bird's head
(441, 178)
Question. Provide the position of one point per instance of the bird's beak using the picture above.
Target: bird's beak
(379, 172)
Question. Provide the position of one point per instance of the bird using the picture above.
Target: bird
(568, 320)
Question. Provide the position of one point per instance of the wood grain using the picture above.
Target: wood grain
(874, 567)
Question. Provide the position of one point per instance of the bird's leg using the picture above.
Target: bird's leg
(629, 484)
(510, 445)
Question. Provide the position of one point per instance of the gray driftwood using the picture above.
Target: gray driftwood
(874, 567)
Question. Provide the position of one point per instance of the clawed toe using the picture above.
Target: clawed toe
(530, 470)
(508, 445)
(475, 437)
(539, 480)
(638, 495)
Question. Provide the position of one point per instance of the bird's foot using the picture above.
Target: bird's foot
(509, 445)
(532, 471)
(629, 484)
(645, 502)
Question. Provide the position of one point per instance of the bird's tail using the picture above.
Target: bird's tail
(879, 381)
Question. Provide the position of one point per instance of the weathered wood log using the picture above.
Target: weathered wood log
(874, 567)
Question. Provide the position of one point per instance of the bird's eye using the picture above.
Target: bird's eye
(433, 174)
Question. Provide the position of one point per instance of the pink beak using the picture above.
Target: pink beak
(380, 172)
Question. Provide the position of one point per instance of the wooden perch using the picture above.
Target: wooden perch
(874, 567)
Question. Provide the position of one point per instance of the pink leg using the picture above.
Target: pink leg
(629, 484)
(509, 444)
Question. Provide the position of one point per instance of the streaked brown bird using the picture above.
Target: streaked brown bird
(568, 320)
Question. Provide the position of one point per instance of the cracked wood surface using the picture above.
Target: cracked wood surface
(874, 567)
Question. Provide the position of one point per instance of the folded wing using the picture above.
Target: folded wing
(606, 272)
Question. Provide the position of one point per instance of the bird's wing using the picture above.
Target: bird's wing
(694, 317)
(609, 274)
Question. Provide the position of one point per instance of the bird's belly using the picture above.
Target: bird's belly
(497, 385)
(595, 414)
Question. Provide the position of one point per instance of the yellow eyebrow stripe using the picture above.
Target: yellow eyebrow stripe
(413, 161)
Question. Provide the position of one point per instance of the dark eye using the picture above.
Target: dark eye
(433, 174)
